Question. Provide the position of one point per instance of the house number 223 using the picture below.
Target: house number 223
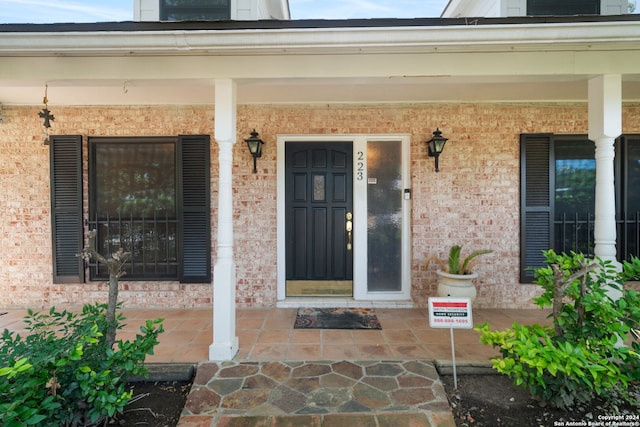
(359, 166)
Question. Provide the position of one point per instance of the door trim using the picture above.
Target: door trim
(359, 210)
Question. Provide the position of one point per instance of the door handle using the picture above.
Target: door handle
(349, 228)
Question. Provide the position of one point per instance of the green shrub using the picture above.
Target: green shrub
(585, 353)
(64, 373)
(630, 269)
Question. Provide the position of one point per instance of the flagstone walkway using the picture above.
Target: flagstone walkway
(332, 393)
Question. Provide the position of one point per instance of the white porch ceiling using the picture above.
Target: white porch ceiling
(311, 90)
(308, 91)
(491, 63)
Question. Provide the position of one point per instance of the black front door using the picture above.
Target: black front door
(319, 215)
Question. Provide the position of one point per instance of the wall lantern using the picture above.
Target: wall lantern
(436, 145)
(255, 147)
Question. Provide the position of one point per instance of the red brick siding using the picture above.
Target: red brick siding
(474, 200)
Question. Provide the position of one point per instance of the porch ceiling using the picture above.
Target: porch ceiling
(453, 63)
(310, 90)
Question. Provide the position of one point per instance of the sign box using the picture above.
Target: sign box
(450, 313)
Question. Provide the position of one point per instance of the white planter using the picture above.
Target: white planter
(456, 285)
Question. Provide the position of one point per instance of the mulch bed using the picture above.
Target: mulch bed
(157, 404)
(494, 401)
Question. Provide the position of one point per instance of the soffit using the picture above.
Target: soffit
(312, 91)
(537, 62)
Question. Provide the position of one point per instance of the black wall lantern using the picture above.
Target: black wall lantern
(436, 145)
(255, 147)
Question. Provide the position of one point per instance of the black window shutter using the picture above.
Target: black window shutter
(195, 211)
(536, 202)
(66, 208)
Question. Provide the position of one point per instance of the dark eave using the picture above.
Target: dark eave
(130, 26)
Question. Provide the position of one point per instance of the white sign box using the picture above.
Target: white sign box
(450, 313)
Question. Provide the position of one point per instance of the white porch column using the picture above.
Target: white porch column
(225, 341)
(605, 125)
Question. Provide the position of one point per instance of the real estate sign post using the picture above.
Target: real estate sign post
(451, 313)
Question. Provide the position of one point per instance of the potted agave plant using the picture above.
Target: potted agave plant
(456, 273)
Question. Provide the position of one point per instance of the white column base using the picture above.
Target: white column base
(219, 352)
(225, 341)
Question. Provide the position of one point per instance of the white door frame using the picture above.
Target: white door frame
(359, 141)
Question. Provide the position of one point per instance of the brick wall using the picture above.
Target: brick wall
(474, 200)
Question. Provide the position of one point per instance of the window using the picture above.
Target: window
(558, 197)
(133, 205)
(149, 196)
(574, 194)
(563, 7)
(194, 10)
(628, 197)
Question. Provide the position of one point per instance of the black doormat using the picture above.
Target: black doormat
(336, 318)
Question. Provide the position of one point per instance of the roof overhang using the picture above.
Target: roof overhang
(428, 60)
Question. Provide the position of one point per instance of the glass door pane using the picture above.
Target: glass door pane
(384, 216)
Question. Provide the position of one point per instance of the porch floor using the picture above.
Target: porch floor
(267, 335)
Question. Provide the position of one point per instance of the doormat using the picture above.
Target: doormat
(336, 318)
